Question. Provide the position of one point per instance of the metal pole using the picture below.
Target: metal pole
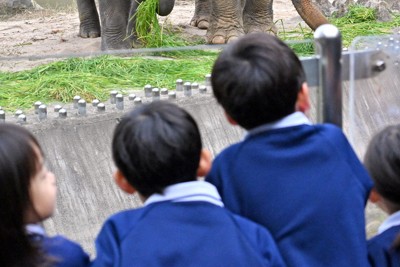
(328, 41)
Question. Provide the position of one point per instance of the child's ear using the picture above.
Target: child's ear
(205, 163)
(122, 183)
(230, 120)
(374, 196)
(303, 99)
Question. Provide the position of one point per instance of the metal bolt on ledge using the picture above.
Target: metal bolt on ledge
(113, 95)
(156, 94)
(179, 85)
(119, 104)
(36, 105)
(76, 99)
(101, 107)
(187, 89)
(42, 112)
(62, 113)
(21, 119)
(82, 107)
(147, 90)
(95, 102)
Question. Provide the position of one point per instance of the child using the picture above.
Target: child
(27, 197)
(302, 182)
(382, 161)
(158, 151)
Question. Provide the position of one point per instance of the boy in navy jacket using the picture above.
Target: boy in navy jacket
(158, 153)
(303, 182)
(382, 162)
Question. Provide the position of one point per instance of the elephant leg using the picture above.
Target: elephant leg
(258, 16)
(89, 19)
(114, 20)
(201, 14)
(310, 13)
(226, 22)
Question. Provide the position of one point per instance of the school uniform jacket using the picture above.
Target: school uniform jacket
(60, 251)
(305, 184)
(381, 252)
(184, 227)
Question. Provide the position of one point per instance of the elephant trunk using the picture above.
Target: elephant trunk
(310, 13)
(165, 7)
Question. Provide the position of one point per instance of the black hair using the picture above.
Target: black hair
(382, 160)
(157, 145)
(18, 164)
(256, 79)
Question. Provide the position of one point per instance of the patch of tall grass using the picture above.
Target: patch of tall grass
(94, 78)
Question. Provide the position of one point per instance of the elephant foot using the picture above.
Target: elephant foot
(200, 22)
(224, 36)
(270, 28)
(89, 32)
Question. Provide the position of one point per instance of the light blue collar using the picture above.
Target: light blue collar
(35, 229)
(392, 220)
(189, 191)
(294, 119)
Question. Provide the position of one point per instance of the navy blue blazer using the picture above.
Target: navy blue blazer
(61, 251)
(194, 233)
(380, 250)
(306, 185)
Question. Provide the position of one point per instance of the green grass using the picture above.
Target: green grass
(95, 77)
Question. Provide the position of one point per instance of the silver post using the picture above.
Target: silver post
(62, 113)
(171, 95)
(57, 108)
(2, 116)
(179, 85)
(119, 104)
(113, 95)
(76, 99)
(82, 107)
(195, 86)
(42, 112)
(164, 91)
(203, 89)
(21, 119)
(156, 94)
(328, 42)
(36, 105)
(137, 101)
(187, 89)
(18, 112)
(131, 97)
(147, 90)
(95, 102)
(208, 81)
(101, 107)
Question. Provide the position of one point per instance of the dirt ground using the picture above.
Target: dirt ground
(47, 32)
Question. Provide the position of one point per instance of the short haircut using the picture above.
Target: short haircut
(256, 79)
(382, 160)
(157, 145)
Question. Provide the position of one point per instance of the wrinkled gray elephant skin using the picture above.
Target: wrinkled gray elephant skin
(226, 20)
(116, 26)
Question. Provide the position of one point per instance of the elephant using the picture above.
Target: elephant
(117, 28)
(226, 20)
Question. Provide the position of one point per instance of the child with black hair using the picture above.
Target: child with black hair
(303, 182)
(27, 197)
(158, 152)
(382, 161)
